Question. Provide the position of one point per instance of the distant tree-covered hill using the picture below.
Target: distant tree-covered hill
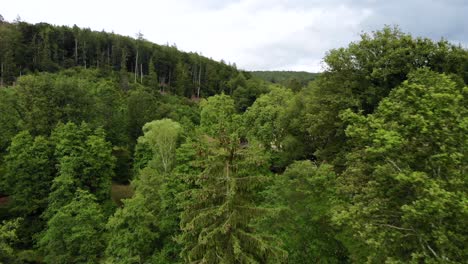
(28, 48)
(292, 79)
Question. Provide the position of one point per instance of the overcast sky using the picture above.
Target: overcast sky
(255, 34)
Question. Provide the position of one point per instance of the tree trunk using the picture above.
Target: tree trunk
(84, 54)
(1, 75)
(136, 66)
(141, 73)
(169, 82)
(108, 56)
(76, 51)
(199, 81)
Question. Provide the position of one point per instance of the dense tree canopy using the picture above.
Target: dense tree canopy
(118, 150)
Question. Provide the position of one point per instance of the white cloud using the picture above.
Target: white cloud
(256, 34)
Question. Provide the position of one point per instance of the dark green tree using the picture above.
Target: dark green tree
(245, 96)
(143, 106)
(46, 99)
(183, 84)
(123, 73)
(152, 80)
(111, 112)
(9, 45)
(9, 117)
(217, 223)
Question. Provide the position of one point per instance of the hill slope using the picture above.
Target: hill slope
(26, 48)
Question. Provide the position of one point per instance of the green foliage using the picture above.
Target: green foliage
(244, 96)
(133, 230)
(182, 84)
(9, 51)
(217, 115)
(29, 173)
(359, 77)
(63, 188)
(87, 157)
(217, 222)
(131, 233)
(111, 112)
(7, 238)
(149, 219)
(143, 107)
(9, 117)
(307, 194)
(294, 80)
(267, 121)
(74, 233)
(152, 80)
(406, 180)
(390, 138)
(162, 138)
(46, 99)
(123, 71)
(26, 48)
(123, 165)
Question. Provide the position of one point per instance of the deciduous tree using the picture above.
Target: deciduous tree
(405, 185)
(75, 233)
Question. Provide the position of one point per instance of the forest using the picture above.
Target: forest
(117, 150)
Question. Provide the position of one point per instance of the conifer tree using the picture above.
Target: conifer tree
(182, 80)
(123, 74)
(152, 79)
(217, 223)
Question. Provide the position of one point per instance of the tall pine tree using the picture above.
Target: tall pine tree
(217, 223)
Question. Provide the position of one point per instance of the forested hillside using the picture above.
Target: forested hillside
(28, 48)
(118, 150)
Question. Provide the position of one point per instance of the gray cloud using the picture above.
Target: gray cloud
(433, 19)
(421, 18)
